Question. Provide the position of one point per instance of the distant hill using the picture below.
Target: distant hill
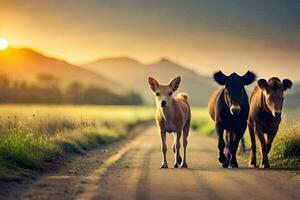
(293, 97)
(134, 74)
(26, 64)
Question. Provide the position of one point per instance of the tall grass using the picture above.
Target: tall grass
(33, 135)
(286, 146)
(285, 152)
(202, 122)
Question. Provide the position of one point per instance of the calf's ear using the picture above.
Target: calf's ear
(153, 83)
(262, 84)
(220, 78)
(174, 83)
(287, 84)
(248, 78)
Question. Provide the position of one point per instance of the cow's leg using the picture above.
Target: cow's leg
(252, 159)
(234, 147)
(238, 134)
(242, 147)
(221, 143)
(177, 154)
(264, 163)
(186, 130)
(164, 150)
(228, 145)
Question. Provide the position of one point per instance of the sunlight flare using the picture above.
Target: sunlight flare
(3, 44)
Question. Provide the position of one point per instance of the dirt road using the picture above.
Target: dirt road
(132, 172)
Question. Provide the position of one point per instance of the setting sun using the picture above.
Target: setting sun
(3, 44)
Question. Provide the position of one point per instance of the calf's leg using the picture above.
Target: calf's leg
(164, 150)
(264, 157)
(177, 154)
(179, 159)
(186, 130)
(252, 159)
(270, 138)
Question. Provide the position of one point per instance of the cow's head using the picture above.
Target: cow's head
(273, 91)
(234, 88)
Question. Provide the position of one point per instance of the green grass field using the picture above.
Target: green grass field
(285, 151)
(31, 135)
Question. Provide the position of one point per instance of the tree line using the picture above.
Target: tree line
(47, 91)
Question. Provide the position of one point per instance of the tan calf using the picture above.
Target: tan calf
(173, 116)
(265, 115)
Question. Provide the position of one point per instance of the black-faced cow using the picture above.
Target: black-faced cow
(229, 108)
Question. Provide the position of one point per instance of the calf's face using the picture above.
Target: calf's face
(273, 91)
(163, 93)
(234, 88)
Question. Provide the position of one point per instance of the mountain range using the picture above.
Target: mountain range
(25, 64)
(134, 74)
(117, 74)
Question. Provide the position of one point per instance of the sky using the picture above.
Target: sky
(205, 35)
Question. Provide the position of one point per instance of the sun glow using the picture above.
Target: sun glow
(3, 44)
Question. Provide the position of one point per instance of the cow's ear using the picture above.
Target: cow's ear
(174, 83)
(220, 77)
(262, 84)
(248, 78)
(287, 84)
(153, 84)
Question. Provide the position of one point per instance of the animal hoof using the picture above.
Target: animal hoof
(176, 165)
(179, 160)
(264, 166)
(252, 166)
(225, 165)
(164, 166)
(233, 166)
(183, 165)
(222, 159)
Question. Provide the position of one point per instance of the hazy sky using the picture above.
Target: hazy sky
(203, 34)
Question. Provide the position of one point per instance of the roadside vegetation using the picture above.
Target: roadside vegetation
(285, 152)
(32, 135)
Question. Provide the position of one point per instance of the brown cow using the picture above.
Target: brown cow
(265, 115)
